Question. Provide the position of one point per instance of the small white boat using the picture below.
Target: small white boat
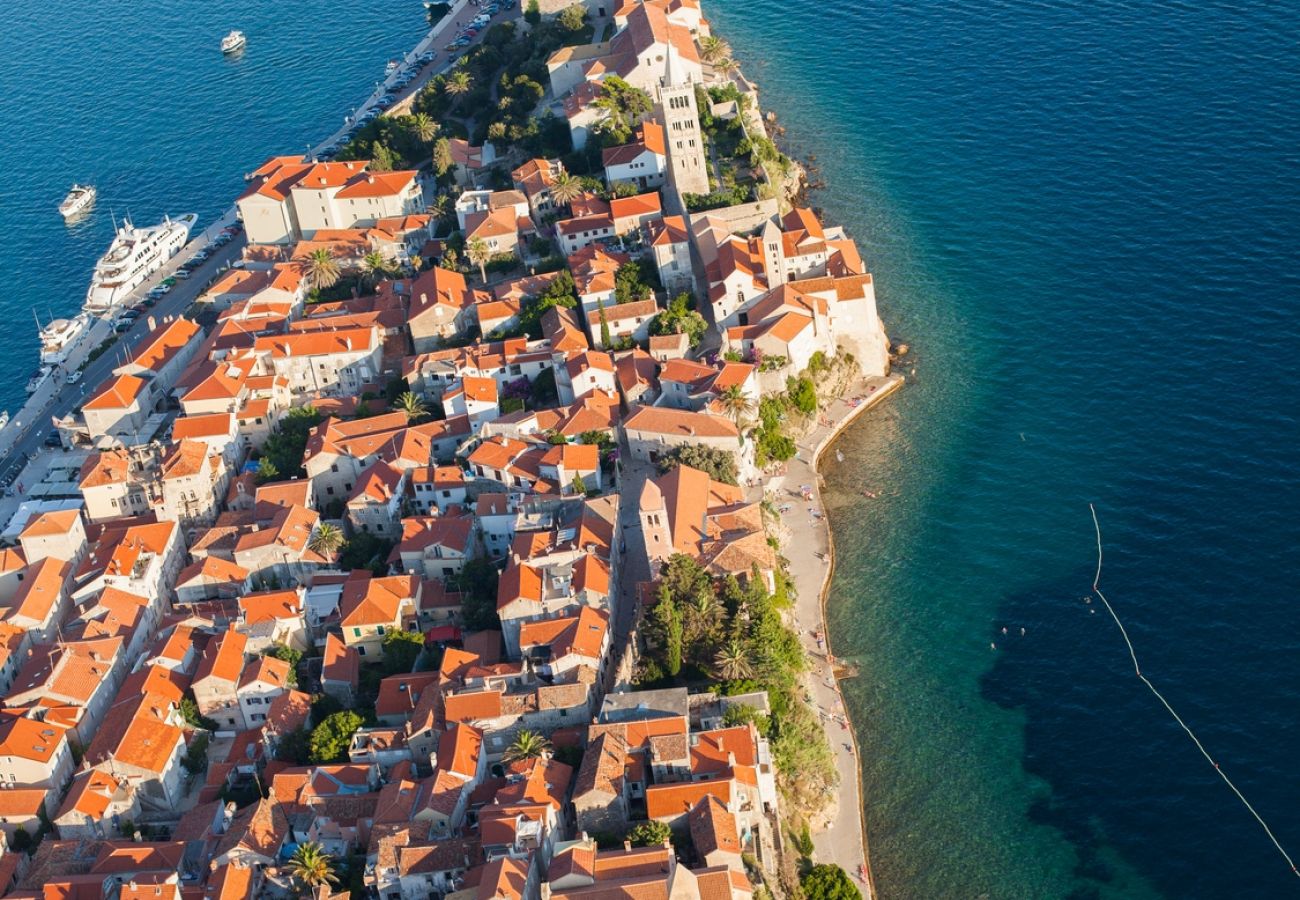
(233, 42)
(4, 418)
(392, 66)
(79, 199)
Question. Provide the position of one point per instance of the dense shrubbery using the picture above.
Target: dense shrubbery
(283, 450)
(680, 318)
(719, 464)
(706, 630)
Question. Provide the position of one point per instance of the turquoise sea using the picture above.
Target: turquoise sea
(1082, 217)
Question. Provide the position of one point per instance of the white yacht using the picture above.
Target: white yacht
(62, 336)
(134, 255)
(233, 42)
(79, 199)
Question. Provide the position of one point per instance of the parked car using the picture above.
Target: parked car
(53, 439)
(122, 327)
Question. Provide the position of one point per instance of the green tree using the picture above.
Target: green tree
(803, 394)
(533, 12)
(366, 551)
(679, 318)
(195, 719)
(413, 405)
(736, 403)
(294, 747)
(744, 714)
(828, 881)
(630, 282)
(285, 447)
(527, 745)
(401, 650)
(650, 834)
(311, 866)
(667, 627)
(195, 759)
(606, 341)
(565, 189)
(322, 268)
(266, 470)
(477, 581)
(22, 841)
(732, 661)
(326, 540)
(375, 268)
(330, 739)
(718, 463)
(443, 161)
(479, 254)
(423, 127)
(459, 84)
(572, 18)
(713, 49)
(579, 486)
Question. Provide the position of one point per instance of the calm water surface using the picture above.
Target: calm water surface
(136, 98)
(1082, 217)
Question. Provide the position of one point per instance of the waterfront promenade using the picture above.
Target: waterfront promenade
(840, 835)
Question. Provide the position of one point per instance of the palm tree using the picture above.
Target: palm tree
(459, 83)
(713, 49)
(327, 540)
(479, 253)
(527, 745)
(725, 67)
(322, 268)
(736, 403)
(732, 661)
(423, 127)
(412, 405)
(565, 189)
(311, 865)
(375, 266)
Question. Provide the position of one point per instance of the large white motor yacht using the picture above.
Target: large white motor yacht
(134, 255)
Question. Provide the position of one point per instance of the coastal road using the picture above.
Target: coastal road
(36, 423)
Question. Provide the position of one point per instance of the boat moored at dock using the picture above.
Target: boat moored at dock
(134, 255)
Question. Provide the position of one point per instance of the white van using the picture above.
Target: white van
(481, 20)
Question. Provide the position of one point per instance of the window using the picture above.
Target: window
(361, 651)
(356, 632)
(380, 629)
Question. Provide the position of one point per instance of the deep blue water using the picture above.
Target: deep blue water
(137, 98)
(1083, 218)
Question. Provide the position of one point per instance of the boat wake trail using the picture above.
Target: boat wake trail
(1096, 589)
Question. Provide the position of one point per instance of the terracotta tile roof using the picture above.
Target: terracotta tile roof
(678, 423)
(265, 670)
(341, 663)
(51, 524)
(668, 801)
(90, 794)
(224, 658)
(164, 343)
(459, 750)
(211, 425)
(42, 589)
(377, 184)
(624, 312)
(317, 343)
(399, 694)
(713, 827)
(375, 601)
(210, 569)
(472, 706)
(29, 739)
(519, 581)
(582, 635)
(120, 392)
(634, 207)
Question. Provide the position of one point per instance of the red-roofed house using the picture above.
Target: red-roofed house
(642, 162)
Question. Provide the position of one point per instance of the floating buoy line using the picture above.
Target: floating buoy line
(1096, 589)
